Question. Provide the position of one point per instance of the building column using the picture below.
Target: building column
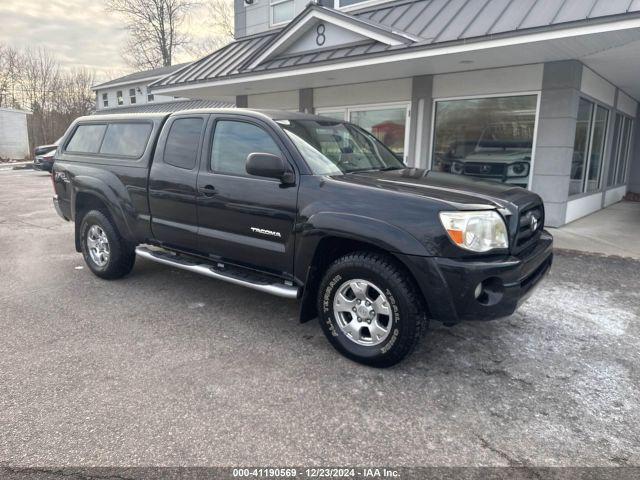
(305, 103)
(242, 101)
(634, 157)
(555, 137)
(420, 122)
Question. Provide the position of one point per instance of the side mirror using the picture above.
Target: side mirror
(270, 166)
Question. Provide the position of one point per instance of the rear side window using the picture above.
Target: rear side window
(183, 141)
(126, 139)
(86, 139)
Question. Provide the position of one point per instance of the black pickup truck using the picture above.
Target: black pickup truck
(302, 207)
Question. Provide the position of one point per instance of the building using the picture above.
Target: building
(132, 90)
(14, 134)
(131, 94)
(540, 93)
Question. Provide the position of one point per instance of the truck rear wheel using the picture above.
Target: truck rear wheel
(370, 309)
(105, 252)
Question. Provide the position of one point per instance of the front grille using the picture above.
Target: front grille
(525, 234)
(485, 169)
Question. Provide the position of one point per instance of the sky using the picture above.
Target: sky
(79, 32)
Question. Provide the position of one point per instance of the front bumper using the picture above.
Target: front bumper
(450, 285)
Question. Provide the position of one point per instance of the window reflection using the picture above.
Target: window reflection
(489, 138)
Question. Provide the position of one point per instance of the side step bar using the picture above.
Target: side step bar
(262, 285)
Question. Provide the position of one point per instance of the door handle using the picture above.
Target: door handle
(208, 190)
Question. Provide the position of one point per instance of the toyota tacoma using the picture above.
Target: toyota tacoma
(306, 208)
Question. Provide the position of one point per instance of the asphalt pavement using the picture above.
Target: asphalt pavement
(165, 367)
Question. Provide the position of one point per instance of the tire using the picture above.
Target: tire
(380, 280)
(118, 256)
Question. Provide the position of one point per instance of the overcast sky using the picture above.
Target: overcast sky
(79, 32)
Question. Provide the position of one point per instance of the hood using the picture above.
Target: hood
(459, 191)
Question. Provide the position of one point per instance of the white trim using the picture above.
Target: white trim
(587, 165)
(298, 29)
(413, 55)
(614, 195)
(583, 206)
(419, 134)
(359, 5)
(347, 110)
(492, 95)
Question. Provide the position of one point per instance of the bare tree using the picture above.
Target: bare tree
(40, 84)
(154, 26)
(222, 17)
(10, 61)
(218, 21)
(33, 80)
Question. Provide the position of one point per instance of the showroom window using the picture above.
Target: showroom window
(388, 123)
(281, 11)
(588, 147)
(489, 138)
(620, 150)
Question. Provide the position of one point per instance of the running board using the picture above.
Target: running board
(260, 284)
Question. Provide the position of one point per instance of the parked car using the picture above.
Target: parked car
(502, 153)
(302, 207)
(44, 156)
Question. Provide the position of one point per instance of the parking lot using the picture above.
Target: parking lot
(168, 368)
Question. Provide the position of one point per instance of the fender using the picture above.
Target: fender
(349, 226)
(118, 202)
(355, 227)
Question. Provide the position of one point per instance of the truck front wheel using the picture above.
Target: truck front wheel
(370, 309)
(106, 253)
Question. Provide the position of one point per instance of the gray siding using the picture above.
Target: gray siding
(419, 147)
(556, 133)
(634, 175)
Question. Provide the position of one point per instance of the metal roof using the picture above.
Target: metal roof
(166, 107)
(427, 22)
(134, 77)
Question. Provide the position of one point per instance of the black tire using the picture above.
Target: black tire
(122, 254)
(407, 307)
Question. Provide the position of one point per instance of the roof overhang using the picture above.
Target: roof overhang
(590, 42)
(106, 85)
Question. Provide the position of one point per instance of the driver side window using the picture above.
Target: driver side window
(233, 141)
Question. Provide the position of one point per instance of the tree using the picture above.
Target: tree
(32, 79)
(217, 19)
(154, 27)
(10, 61)
(222, 17)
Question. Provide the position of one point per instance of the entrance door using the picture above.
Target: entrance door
(245, 219)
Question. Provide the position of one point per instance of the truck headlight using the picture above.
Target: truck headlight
(476, 231)
(457, 168)
(519, 169)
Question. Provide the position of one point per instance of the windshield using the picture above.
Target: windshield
(331, 147)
